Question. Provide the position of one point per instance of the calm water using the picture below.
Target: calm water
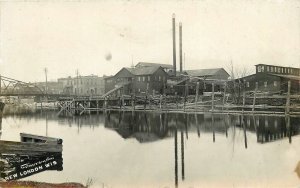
(162, 150)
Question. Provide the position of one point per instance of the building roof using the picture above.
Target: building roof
(145, 64)
(204, 72)
(276, 66)
(142, 70)
(290, 77)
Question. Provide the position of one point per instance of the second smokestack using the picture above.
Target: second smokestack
(174, 44)
(180, 46)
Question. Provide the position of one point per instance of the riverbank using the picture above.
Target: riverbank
(32, 184)
(26, 108)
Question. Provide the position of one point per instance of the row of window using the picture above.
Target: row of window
(139, 79)
(147, 78)
(275, 84)
(80, 82)
(89, 91)
(273, 69)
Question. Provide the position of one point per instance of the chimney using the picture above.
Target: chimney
(180, 45)
(174, 45)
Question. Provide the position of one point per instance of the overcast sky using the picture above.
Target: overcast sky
(70, 35)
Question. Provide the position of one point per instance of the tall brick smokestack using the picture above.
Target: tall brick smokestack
(180, 46)
(174, 44)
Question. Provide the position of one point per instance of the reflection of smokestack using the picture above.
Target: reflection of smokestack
(176, 158)
(180, 45)
(182, 155)
(174, 44)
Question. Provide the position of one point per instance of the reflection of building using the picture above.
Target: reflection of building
(143, 127)
(83, 85)
(146, 127)
(270, 128)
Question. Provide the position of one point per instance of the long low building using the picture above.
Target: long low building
(271, 78)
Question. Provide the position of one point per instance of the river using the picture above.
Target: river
(126, 149)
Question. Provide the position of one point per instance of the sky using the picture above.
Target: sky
(101, 37)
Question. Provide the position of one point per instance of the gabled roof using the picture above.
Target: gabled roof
(143, 70)
(145, 64)
(204, 72)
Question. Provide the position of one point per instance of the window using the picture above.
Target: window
(159, 78)
(265, 84)
(144, 78)
(149, 78)
(271, 69)
(139, 78)
(275, 83)
(275, 123)
(275, 69)
(258, 69)
(267, 68)
(247, 84)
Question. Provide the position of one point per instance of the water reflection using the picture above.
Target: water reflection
(149, 127)
(189, 131)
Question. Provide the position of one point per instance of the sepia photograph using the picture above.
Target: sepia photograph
(149, 93)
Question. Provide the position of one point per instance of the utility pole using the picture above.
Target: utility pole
(46, 85)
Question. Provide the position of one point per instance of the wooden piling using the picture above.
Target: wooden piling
(105, 103)
(196, 97)
(212, 97)
(160, 101)
(145, 102)
(224, 95)
(176, 100)
(185, 96)
(244, 101)
(254, 97)
(97, 103)
(288, 99)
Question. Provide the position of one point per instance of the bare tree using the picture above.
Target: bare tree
(237, 85)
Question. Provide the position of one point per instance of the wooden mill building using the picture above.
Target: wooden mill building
(138, 80)
(273, 79)
(205, 77)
